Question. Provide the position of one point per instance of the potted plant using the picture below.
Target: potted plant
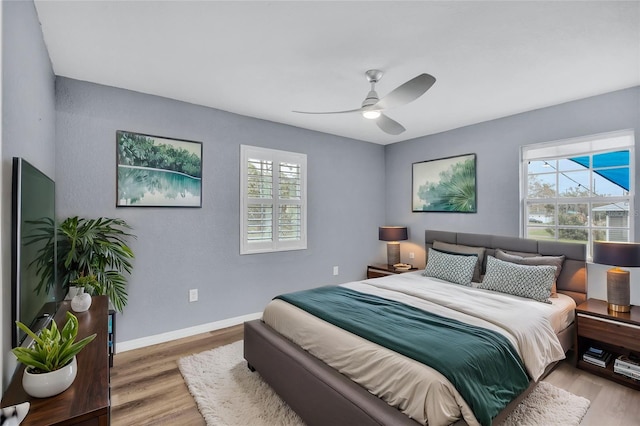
(85, 247)
(81, 300)
(50, 362)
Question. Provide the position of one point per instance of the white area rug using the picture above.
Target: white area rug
(549, 405)
(228, 394)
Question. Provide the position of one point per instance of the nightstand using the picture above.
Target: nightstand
(377, 270)
(615, 332)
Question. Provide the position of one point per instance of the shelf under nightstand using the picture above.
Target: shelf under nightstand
(615, 332)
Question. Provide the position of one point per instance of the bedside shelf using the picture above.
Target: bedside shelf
(617, 333)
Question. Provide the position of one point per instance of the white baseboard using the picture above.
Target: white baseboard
(185, 332)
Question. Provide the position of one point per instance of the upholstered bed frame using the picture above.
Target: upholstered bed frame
(322, 396)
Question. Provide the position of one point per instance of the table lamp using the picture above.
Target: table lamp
(392, 234)
(617, 255)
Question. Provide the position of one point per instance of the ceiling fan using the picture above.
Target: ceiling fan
(373, 107)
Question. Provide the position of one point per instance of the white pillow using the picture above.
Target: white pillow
(14, 415)
(455, 268)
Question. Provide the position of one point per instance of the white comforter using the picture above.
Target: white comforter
(421, 392)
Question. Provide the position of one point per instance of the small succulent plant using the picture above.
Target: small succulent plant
(53, 348)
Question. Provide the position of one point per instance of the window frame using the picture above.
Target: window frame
(582, 146)
(276, 157)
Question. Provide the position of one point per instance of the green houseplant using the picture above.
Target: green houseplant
(89, 282)
(54, 348)
(50, 362)
(81, 300)
(85, 248)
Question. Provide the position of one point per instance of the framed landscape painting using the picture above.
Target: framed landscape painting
(445, 185)
(158, 172)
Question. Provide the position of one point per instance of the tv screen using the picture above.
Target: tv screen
(33, 215)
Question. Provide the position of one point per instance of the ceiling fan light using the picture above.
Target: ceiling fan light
(371, 115)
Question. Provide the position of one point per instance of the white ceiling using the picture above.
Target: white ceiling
(264, 59)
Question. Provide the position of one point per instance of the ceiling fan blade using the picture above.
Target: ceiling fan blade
(407, 92)
(329, 112)
(389, 126)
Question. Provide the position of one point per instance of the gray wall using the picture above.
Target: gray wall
(497, 144)
(28, 128)
(182, 248)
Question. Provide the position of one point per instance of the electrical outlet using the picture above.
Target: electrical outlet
(193, 295)
(412, 255)
(335, 270)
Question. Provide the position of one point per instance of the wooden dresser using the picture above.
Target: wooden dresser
(87, 401)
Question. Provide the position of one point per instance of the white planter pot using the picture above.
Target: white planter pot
(81, 301)
(44, 385)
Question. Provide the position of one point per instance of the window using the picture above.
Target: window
(273, 201)
(579, 190)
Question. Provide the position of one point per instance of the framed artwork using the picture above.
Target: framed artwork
(445, 185)
(158, 172)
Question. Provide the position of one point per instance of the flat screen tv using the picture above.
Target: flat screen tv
(33, 213)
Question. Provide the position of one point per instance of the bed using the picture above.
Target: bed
(321, 395)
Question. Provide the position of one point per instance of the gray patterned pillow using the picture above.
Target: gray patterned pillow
(536, 259)
(462, 249)
(533, 282)
(455, 268)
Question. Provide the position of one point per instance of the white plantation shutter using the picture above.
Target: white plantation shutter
(273, 200)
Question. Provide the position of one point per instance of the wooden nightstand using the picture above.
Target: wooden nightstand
(618, 333)
(377, 270)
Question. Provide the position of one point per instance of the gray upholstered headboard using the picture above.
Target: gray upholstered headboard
(573, 277)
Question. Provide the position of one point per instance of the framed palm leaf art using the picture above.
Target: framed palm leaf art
(445, 185)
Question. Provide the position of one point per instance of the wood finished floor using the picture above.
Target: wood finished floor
(147, 387)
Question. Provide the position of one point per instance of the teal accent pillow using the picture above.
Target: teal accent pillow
(530, 281)
(455, 268)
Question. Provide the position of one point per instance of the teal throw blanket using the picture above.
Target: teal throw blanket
(480, 363)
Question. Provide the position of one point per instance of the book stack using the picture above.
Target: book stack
(596, 356)
(627, 366)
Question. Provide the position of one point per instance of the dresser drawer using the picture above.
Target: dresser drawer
(609, 331)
